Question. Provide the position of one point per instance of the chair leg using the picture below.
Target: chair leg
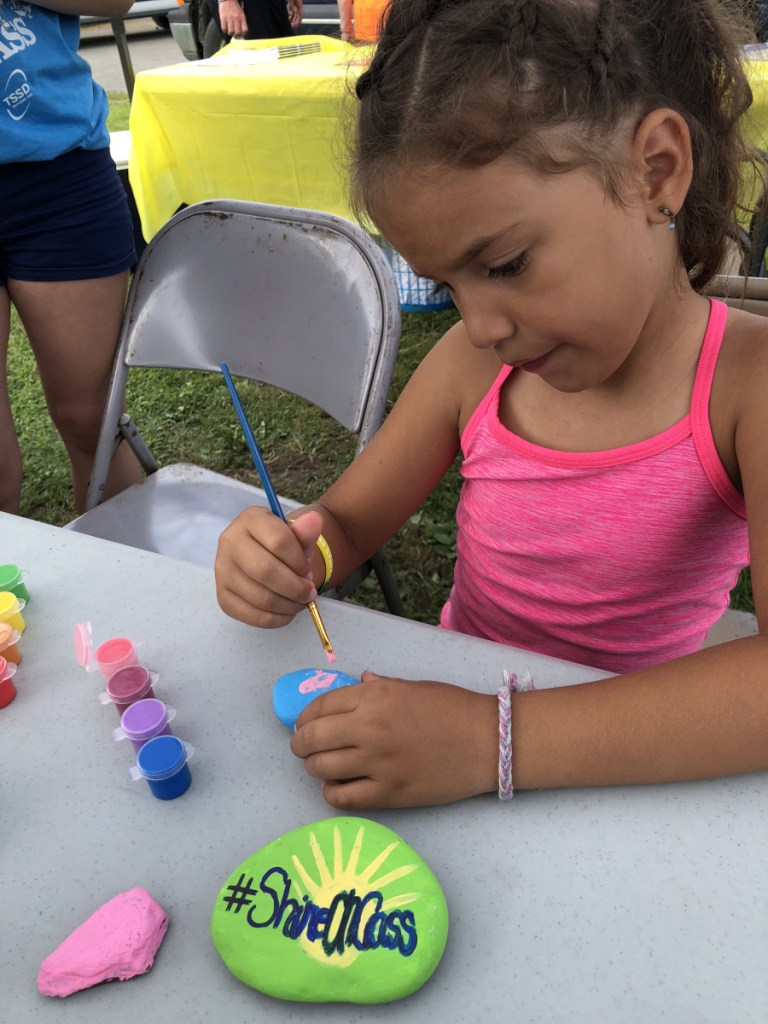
(387, 583)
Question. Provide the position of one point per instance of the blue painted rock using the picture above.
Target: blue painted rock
(295, 690)
(343, 910)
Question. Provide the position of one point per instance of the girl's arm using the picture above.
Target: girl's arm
(701, 716)
(266, 572)
(404, 743)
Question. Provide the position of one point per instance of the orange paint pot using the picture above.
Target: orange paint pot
(8, 641)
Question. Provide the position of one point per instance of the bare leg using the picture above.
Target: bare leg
(10, 456)
(73, 328)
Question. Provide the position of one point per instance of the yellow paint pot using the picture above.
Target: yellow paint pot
(10, 610)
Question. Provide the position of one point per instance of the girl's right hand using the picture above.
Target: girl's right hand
(263, 567)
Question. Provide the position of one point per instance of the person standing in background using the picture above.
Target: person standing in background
(66, 238)
(259, 19)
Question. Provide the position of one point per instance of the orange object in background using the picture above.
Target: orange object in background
(367, 15)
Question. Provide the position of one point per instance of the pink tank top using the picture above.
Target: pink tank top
(617, 559)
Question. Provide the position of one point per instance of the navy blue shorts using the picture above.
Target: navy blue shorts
(65, 219)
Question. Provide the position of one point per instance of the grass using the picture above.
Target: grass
(187, 418)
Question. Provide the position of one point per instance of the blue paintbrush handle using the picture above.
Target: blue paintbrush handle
(258, 461)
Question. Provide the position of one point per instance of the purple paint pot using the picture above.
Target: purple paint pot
(128, 685)
(162, 761)
(109, 657)
(7, 686)
(143, 721)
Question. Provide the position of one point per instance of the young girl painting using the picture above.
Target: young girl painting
(571, 170)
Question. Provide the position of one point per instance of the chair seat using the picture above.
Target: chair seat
(179, 511)
(731, 626)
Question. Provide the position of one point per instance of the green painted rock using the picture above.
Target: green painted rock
(339, 911)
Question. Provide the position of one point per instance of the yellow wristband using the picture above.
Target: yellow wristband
(325, 551)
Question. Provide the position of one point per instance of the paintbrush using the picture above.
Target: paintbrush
(274, 501)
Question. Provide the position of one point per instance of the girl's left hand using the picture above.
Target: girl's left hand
(398, 743)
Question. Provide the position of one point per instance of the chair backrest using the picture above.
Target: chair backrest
(300, 299)
(749, 293)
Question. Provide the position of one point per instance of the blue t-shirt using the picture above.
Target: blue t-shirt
(50, 102)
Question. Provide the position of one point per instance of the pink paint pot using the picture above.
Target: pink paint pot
(9, 638)
(128, 685)
(143, 721)
(7, 687)
(11, 608)
(109, 657)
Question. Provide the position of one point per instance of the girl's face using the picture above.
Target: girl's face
(546, 270)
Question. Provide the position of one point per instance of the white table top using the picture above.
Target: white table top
(620, 905)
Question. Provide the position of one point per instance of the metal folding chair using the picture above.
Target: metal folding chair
(298, 299)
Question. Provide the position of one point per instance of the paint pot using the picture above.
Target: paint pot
(12, 578)
(7, 687)
(163, 762)
(129, 685)
(143, 721)
(8, 640)
(11, 608)
(109, 657)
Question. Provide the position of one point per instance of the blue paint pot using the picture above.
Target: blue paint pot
(162, 761)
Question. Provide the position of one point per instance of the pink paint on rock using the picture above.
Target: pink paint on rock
(319, 681)
(116, 942)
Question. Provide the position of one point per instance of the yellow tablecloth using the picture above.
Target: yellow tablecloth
(230, 128)
(755, 123)
(272, 131)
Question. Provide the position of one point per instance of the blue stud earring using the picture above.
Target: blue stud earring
(668, 213)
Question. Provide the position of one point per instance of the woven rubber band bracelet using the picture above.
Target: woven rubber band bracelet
(325, 551)
(510, 685)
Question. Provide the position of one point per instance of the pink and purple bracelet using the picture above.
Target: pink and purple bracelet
(509, 686)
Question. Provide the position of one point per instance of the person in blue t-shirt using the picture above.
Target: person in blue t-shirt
(66, 238)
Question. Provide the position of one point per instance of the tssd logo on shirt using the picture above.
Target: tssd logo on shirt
(17, 94)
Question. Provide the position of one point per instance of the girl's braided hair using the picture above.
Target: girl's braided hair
(460, 82)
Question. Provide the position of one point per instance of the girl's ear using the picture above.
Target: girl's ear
(661, 151)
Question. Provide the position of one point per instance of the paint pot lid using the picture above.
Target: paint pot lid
(144, 719)
(83, 641)
(7, 669)
(161, 757)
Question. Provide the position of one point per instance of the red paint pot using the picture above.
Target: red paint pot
(128, 685)
(7, 687)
